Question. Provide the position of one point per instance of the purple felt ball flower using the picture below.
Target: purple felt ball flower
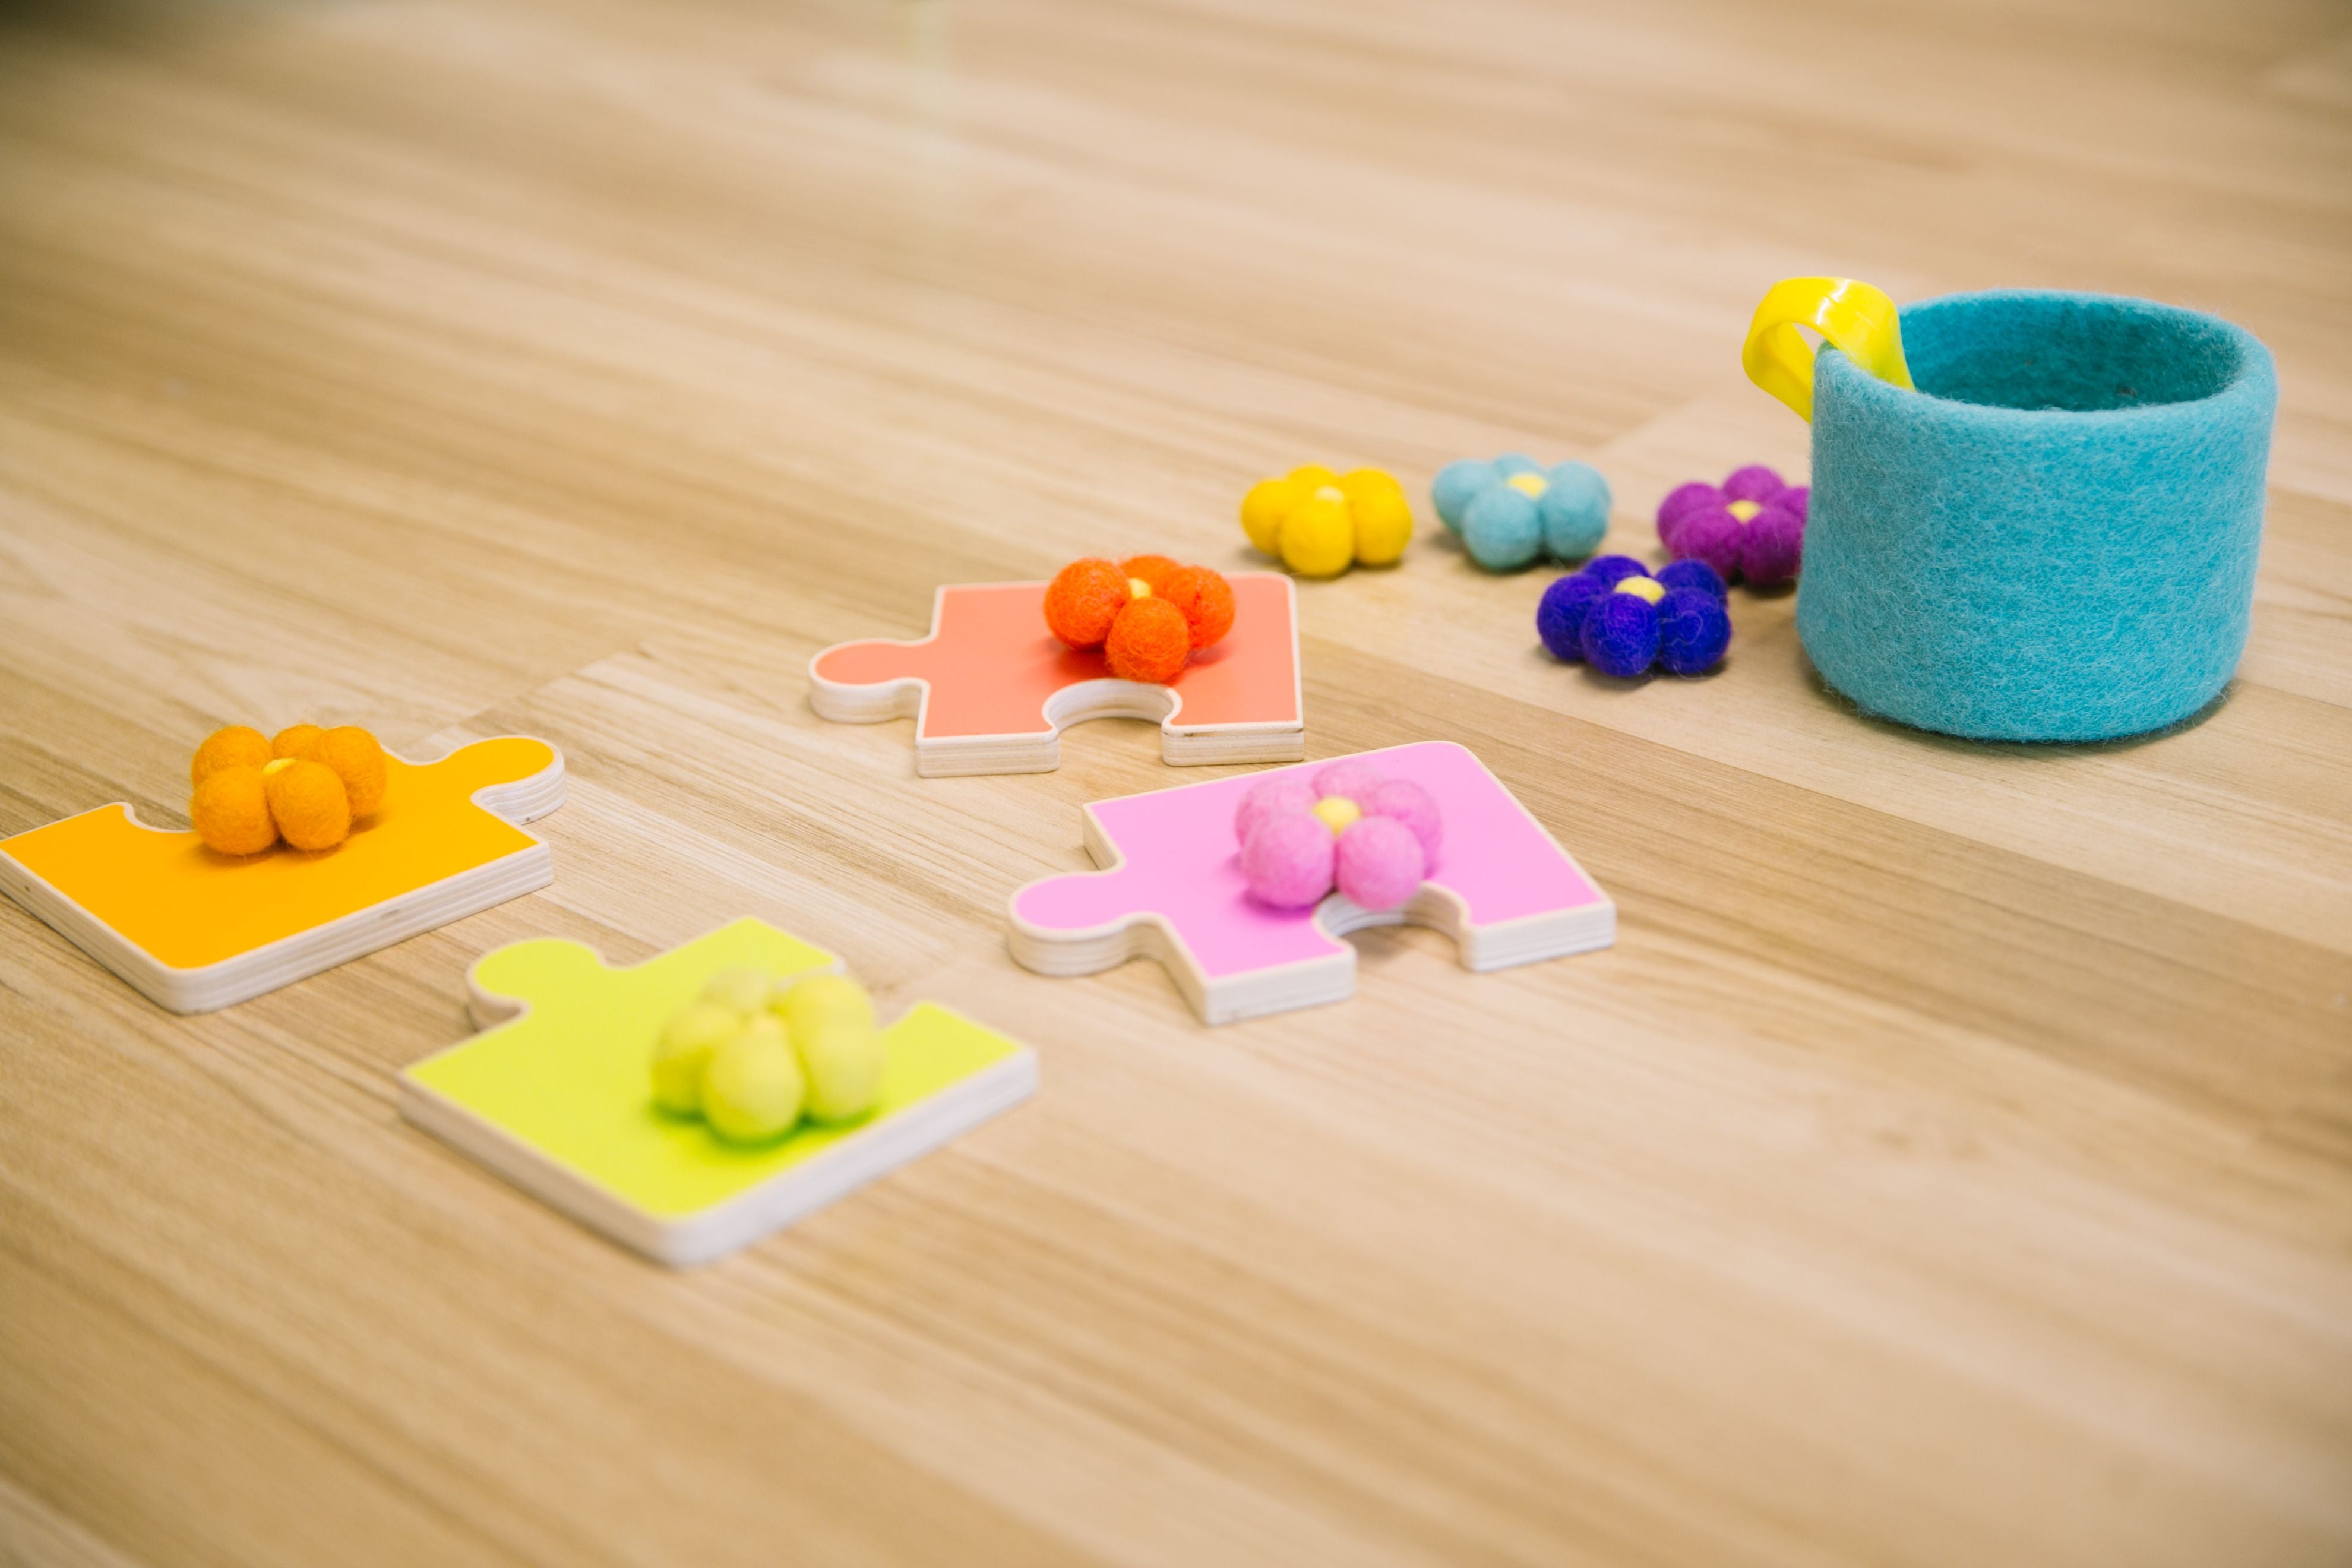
(1373, 839)
(1617, 617)
(1751, 527)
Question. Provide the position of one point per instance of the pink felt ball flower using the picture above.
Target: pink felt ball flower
(1752, 526)
(1373, 839)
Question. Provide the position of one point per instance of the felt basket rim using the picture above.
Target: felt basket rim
(2250, 375)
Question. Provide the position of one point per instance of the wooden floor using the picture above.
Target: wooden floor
(1951, 1164)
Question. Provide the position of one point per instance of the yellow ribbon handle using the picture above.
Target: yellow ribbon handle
(1849, 314)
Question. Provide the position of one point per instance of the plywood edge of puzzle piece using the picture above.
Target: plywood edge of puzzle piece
(1079, 689)
(1313, 962)
(94, 878)
(569, 1037)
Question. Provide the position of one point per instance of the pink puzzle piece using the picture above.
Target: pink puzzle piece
(990, 690)
(1171, 889)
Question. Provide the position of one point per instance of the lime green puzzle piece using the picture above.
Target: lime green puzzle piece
(570, 1077)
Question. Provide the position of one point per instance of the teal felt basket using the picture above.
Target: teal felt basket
(2053, 537)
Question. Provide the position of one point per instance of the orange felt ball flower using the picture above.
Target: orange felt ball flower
(1147, 614)
(1082, 600)
(1149, 641)
(246, 799)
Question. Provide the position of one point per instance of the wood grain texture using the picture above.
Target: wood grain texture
(1950, 1164)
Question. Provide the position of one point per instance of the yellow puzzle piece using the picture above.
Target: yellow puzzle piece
(196, 929)
(556, 1095)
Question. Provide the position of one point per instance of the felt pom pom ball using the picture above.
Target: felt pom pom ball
(1755, 482)
(1318, 537)
(1713, 534)
(1680, 502)
(1377, 863)
(1695, 575)
(1575, 510)
(1560, 613)
(1204, 598)
(1284, 793)
(307, 803)
(1350, 779)
(1503, 529)
(1693, 628)
(1615, 569)
(1457, 485)
(1620, 635)
(1774, 546)
(230, 810)
(355, 758)
(752, 1087)
(1148, 641)
(1384, 518)
(1287, 860)
(1151, 571)
(1401, 800)
(1082, 600)
(295, 740)
(237, 746)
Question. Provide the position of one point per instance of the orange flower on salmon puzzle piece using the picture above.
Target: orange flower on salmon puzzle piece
(1148, 614)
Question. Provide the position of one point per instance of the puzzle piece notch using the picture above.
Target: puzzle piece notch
(988, 673)
(1172, 890)
(161, 895)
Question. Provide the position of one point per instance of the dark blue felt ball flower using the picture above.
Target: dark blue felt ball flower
(1614, 615)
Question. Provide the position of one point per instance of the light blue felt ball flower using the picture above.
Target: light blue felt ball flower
(1511, 511)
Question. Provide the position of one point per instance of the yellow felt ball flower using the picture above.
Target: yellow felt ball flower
(1319, 523)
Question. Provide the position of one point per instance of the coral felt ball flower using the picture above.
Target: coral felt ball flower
(1752, 526)
(1146, 614)
(1319, 523)
(1617, 617)
(1372, 838)
(1512, 512)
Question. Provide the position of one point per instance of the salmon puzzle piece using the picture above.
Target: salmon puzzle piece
(1171, 889)
(195, 930)
(991, 690)
(555, 1095)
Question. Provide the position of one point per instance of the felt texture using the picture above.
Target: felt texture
(2055, 537)
(1374, 838)
(1377, 863)
(307, 803)
(1511, 511)
(1503, 529)
(1319, 523)
(1694, 630)
(230, 811)
(1401, 800)
(1614, 615)
(1282, 794)
(1575, 511)
(1621, 636)
(1457, 485)
(238, 746)
(1751, 527)
(1287, 860)
(1148, 641)
(1082, 600)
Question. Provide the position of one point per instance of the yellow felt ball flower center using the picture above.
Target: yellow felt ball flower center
(1647, 589)
(1744, 509)
(1338, 812)
(1531, 486)
(1136, 588)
